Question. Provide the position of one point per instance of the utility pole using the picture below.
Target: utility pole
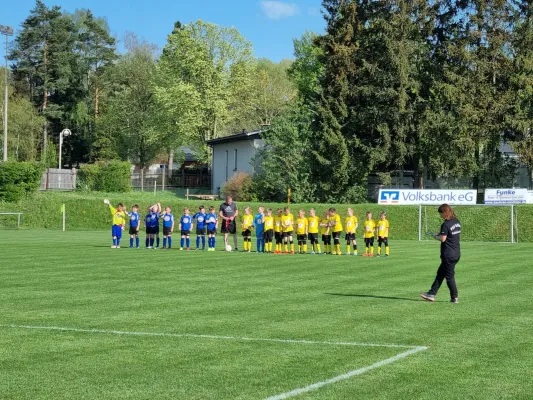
(7, 31)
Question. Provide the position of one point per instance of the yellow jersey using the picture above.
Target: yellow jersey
(277, 224)
(335, 223)
(351, 224)
(269, 222)
(287, 222)
(324, 228)
(370, 226)
(247, 221)
(119, 217)
(301, 226)
(313, 224)
(383, 228)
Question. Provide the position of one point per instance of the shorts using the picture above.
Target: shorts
(167, 230)
(201, 231)
(228, 227)
(211, 231)
(155, 230)
(133, 230)
(351, 236)
(287, 234)
(116, 231)
(278, 236)
(326, 238)
(369, 241)
(247, 233)
(269, 235)
(337, 235)
(149, 230)
(185, 233)
(383, 240)
(301, 238)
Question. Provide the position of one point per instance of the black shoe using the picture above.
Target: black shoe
(428, 296)
(454, 300)
(236, 249)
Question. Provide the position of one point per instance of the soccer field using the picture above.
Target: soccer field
(79, 320)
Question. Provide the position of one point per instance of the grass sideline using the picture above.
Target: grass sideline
(477, 349)
(86, 211)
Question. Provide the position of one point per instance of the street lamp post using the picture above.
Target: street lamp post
(7, 31)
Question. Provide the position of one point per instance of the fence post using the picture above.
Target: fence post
(142, 179)
(512, 223)
(420, 222)
(187, 195)
(155, 185)
(164, 173)
(74, 177)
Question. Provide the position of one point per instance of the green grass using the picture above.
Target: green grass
(478, 349)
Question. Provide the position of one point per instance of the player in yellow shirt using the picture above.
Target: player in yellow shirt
(383, 233)
(325, 231)
(287, 222)
(369, 229)
(351, 227)
(336, 230)
(119, 220)
(268, 220)
(246, 226)
(313, 223)
(302, 229)
(278, 231)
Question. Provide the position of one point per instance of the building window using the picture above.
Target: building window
(235, 159)
(227, 162)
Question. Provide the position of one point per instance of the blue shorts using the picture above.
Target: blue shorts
(116, 231)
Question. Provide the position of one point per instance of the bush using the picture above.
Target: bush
(112, 176)
(240, 187)
(17, 179)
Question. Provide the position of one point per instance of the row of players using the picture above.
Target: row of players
(269, 228)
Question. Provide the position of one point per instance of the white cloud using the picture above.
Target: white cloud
(278, 9)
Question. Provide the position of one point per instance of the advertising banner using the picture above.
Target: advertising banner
(426, 196)
(506, 196)
(530, 197)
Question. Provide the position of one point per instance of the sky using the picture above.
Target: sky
(269, 25)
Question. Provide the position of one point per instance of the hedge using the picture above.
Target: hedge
(86, 211)
(17, 179)
(112, 176)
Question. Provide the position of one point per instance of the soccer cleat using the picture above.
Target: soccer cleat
(130, 247)
(355, 254)
(348, 254)
(454, 300)
(181, 248)
(285, 252)
(292, 251)
(378, 255)
(188, 249)
(428, 296)
(371, 255)
(386, 255)
(365, 254)
(113, 247)
(313, 252)
(149, 247)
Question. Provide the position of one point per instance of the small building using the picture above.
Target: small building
(233, 154)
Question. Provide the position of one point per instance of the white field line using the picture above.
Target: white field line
(347, 375)
(411, 350)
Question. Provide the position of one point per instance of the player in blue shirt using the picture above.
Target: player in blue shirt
(212, 222)
(152, 226)
(201, 228)
(259, 225)
(135, 222)
(168, 227)
(186, 225)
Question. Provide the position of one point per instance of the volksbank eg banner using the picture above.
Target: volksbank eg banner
(506, 196)
(426, 196)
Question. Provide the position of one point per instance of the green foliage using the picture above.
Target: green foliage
(112, 176)
(240, 187)
(17, 179)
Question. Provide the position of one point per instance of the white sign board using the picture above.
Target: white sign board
(506, 196)
(426, 196)
(530, 197)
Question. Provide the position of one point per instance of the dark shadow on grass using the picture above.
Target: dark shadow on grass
(371, 296)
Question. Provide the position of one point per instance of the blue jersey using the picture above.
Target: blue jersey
(152, 220)
(168, 220)
(200, 220)
(135, 218)
(186, 223)
(211, 220)
(259, 225)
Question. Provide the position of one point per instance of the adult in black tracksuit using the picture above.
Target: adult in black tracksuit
(450, 253)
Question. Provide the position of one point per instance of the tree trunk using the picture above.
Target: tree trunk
(96, 100)
(170, 164)
(45, 101)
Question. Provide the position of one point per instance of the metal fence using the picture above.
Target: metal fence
(59, 179)
(168, 180)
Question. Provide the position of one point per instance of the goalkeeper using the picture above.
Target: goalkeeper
(119, 220)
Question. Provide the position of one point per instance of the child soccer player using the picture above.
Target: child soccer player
(200, 218)
(351, 227)
(168, 228)
(313, 223)
(135, 220)
(152, 226)
(383, 233)
(269, 230)
(369, 227)
(247, 222)
(278, 231)
(186, 226)
(302, 230)
(336, 228)
(287, 224)
(325, 231)
(259, 225)
(119, 219)
(212, 221)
